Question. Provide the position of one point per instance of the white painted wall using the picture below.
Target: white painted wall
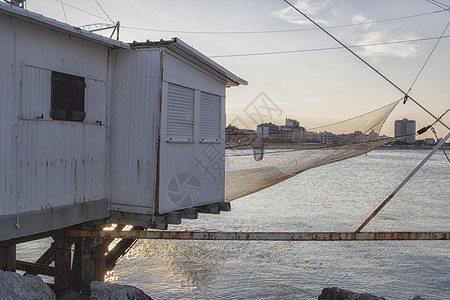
(192, 173)
(135, 123)
(48, 163)
(135, 89)
(8, 116)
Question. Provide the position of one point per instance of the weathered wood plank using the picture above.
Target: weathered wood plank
(35, 268)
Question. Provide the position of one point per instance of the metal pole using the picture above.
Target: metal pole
(262, 236)
(375, 212)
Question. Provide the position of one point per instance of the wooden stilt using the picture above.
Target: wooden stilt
(92, 260)
(118, 251)
(62, 250)
(45, 260)
(8, 258)
(99, 260)
(75, 274)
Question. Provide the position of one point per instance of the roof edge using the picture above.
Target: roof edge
(180, 47)
(8, 9)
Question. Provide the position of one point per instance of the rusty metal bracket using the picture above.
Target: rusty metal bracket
(263, 236)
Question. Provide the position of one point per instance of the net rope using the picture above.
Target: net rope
(265, 161)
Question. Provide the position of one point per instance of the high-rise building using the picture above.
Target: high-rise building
(407, 129)
(292, 123)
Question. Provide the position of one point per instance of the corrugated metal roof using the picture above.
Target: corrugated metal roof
(183, 49)
(10, 10)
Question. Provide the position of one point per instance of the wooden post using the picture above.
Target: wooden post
(62, 250)
(75, 275)
(8, 258)
(99, 260)
(92, 260)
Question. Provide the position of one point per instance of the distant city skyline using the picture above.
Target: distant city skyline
(289, 122)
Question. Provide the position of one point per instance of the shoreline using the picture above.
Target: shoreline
(315, 147)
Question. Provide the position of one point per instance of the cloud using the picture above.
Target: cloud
(309, 7)
(363, 31)
(375, 33)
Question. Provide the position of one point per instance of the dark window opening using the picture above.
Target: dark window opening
(67, 97)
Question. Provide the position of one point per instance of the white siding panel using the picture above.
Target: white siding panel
(36, 92)
(192, 174)
(7, 117)
(49, 49)
(95, 101)
(180, 113)
(133, 119)
(210, 113)
(36, 95)
(61, 163)
(182, 72)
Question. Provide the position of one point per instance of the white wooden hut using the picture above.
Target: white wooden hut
(167, 128)
(90, 125)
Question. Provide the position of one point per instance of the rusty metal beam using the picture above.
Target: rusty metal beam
(263, 236)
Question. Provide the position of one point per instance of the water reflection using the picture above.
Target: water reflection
(330, 198)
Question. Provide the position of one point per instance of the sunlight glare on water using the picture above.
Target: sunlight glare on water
(335, 197)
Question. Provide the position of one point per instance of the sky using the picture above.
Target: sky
(286, 60)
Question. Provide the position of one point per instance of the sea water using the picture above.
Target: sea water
(335, 197)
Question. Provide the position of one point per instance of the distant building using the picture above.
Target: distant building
(326, 137)
(267, 129)
(429, 141)
(246, 131)
(230, 129)
(312, 137)
(292, 131)
(407, 129)
(292, 123)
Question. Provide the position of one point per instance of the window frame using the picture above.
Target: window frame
(67, 97)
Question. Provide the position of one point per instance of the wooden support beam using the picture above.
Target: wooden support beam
(62, 251)
(100, 261)
(27, 238)
(45, 260)
(189, 213)
(134, 219)
(159, 222)
(92, 259)
(75, 274)
(117, 252)
(8, 258)
(34, 268)
(120, 250)
(173, 218)
(212, 208)
(225, 206)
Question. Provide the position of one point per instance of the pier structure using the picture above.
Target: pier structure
(74, 261)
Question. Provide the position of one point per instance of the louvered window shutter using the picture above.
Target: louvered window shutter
(209, 117)
(180, 113)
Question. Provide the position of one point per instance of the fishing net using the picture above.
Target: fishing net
(268, 160)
